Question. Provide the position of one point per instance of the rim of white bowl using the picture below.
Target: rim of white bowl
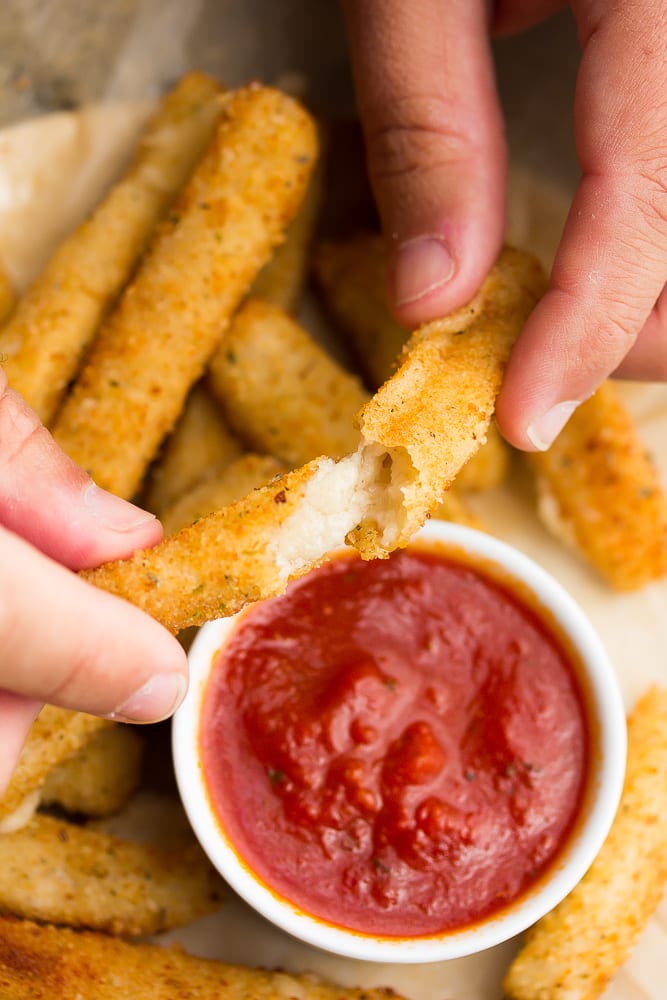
(602, 692)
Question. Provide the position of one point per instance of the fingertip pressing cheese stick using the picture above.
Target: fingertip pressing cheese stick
(200, 442)
(599, 490)
(572, 953)
(55, 735)
(40, 963)
(417, 432)
(352, 275)
(155, 345)
(56, 319)
(280, 391)
(220, 488)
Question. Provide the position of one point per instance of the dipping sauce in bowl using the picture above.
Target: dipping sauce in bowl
(404, 751)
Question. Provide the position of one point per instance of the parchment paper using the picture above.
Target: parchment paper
(53, 168)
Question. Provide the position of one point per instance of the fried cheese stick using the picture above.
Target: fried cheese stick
(40, 963)
(572, 953)
(417, 432)
(101, 777)
(44, 341)
(57, 871)
(219, 488)
(7, 300)
(280, 391)
(156, 343)
(599, 490)
(55, 735)
(352, 275)
(281, 281)
(200, 442)
(299, 403)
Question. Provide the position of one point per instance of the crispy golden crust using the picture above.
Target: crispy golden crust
(58, 316)
(214, 567)
(601, 491)
(7, 299)
(56, 871)
(41, 963)
(438, 406)
(281, 281)
(101, 777)
(488, 467)
(157, 342)
(298, 403)
(201, 441)
(352, 277)
(418, 431)
(221, 488)
(572, 953)
(56, 734)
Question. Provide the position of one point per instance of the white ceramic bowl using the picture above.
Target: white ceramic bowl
(607, 763)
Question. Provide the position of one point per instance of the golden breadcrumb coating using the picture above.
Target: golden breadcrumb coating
(44, 342)
(417, 432)
(57, 871)
(99, 779)
(220, 488)
(280, 390)
(573, 952)
(41, 963)
(600, 490)
(55, 735)
(157, 342)
(200, 442)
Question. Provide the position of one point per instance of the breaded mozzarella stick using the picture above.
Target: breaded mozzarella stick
(55, 321)
(156, 343)
(417, 432)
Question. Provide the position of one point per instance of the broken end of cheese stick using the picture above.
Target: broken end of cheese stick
(417, 432)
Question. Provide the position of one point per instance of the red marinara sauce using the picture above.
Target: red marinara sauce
(398, 747)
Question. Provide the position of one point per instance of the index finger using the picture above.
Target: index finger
(611, 265)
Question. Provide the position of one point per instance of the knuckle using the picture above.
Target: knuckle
(416, 134)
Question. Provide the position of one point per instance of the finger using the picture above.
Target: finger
(647, 359)
(69, 644)
(17, 714)
(611, 265)
(435, 145)
(47, 499)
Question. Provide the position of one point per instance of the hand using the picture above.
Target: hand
(436, 157)
(63, 641)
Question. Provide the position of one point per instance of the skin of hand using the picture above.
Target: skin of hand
(437, 161)
(62, 640)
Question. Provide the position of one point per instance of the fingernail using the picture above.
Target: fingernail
(543, 431)
(157, 699)
(113, 512)
(421, 265)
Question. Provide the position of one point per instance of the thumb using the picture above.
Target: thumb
(435, 146)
